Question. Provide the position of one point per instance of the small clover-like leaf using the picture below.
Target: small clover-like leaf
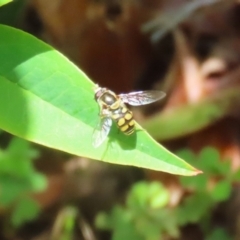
(198, 183)
(217, 234)
(221, 191)
(194, 208)
(26, 210)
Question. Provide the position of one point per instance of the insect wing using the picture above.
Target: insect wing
(101, 131)
(142, 97)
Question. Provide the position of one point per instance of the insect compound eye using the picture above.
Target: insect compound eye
(108, 99)
(98, 93)
(96, 96)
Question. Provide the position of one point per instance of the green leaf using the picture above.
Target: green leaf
(147, 228)
(221, 191)
(48, 100)
(26, 210)
(11, 188)
(17, 173)
(125, 230)
(38, 182)
(192, 118)
(3, 2)
(158, 195)
(218, 234)
(211, 163)
(103, 221)
(194, 208)
(121, 222)
(198, 183)
(147, 195)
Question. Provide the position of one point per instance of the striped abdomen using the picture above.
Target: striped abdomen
(124, 119)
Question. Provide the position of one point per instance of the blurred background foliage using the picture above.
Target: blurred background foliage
(188, 48)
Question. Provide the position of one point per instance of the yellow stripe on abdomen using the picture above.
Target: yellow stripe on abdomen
(124, 120)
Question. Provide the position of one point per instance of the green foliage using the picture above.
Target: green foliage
(147, 215)
(144, 216)
(26, 209)
(209, 189)
(215, 169)
(192, 117)
(49, 101)
(218, 234)
(210, 163)
(64, 226)
(18, 179)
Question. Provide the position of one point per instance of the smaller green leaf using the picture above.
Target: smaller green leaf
(211, 162)
(17, 159)
(158, 195)
(147, 195)
(21, 148)
(145, 214)
(198, 183)
(209, 157)
(192, 117)
(147, 228)
(11, 188)
(221, 191)
(137, 198)
(208, 160)
(126, 230)
(194, 208)
(17, 174)
(103, 221)
(39, 182)
(26, 210)
(219, 234)
(123, 225)
(169, 223)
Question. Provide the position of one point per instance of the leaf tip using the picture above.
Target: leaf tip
(197, 171)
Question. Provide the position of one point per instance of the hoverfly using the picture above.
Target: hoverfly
(113, 108)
